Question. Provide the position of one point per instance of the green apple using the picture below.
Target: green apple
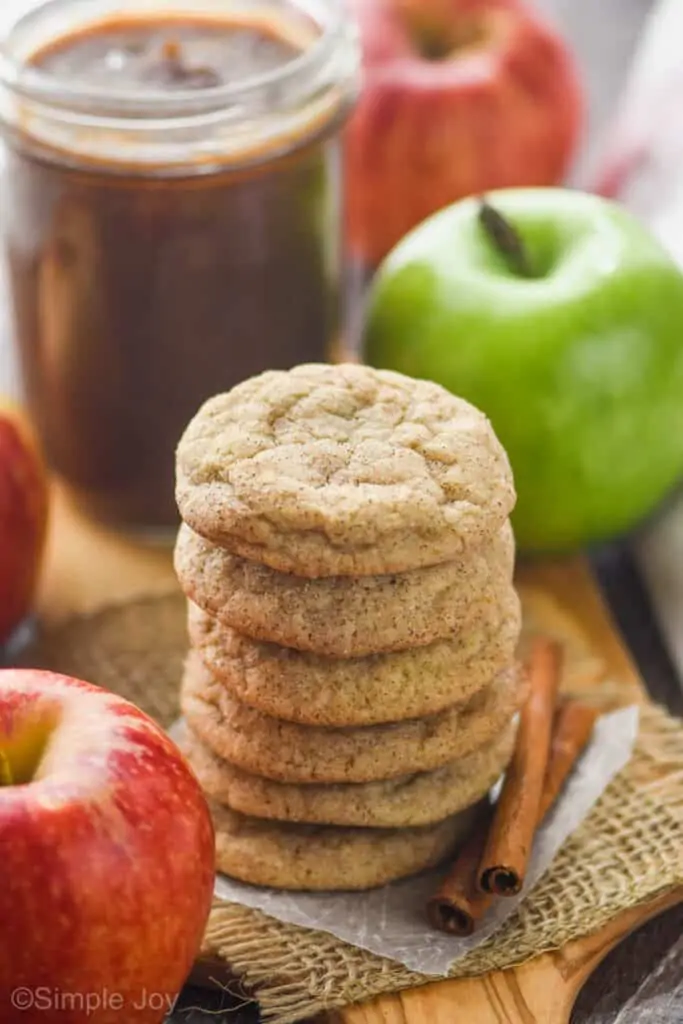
(561, 317)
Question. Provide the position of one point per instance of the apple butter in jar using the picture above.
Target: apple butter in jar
(171, 218)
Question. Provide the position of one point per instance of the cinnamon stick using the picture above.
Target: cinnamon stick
(506, 854)
(573, 727)
(459, 904)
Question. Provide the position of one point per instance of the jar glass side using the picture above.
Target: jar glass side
(140, 290)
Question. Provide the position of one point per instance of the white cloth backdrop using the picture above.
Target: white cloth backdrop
(647, 144)
(622, 91)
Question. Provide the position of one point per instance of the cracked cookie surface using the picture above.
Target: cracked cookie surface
(319, 691)
(314, 858)
(342, 470)
(288, 752)
(345, 616)
(406, 802)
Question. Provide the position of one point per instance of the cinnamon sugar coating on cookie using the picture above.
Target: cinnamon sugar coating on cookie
(342, 470)
(287, 752)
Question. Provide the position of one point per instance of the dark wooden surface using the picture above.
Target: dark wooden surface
(642, 981)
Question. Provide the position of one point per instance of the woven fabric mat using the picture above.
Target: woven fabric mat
(628, 851)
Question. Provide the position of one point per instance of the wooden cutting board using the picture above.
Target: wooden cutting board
(88, 567)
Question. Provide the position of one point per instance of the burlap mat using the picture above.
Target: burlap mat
(629, 850)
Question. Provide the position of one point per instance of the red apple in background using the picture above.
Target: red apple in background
(107, 853)
(23, 516)
(460, 97)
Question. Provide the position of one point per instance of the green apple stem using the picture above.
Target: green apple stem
(505, 238)
(6, 774)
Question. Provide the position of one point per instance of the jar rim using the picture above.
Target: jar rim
(31, 83)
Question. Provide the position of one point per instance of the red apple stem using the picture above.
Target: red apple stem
(505, 238)
(6, 774)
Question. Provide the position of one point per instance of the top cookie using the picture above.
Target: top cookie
(342, 470)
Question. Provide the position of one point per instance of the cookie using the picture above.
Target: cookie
(287, 752)
(405, 802)
(342, 470)
(313, 690)
(314, 858)
(344, 616)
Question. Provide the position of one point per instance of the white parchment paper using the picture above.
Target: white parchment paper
(390, 921)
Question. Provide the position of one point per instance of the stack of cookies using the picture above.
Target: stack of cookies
(351, 688)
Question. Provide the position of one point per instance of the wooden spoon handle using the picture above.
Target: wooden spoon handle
(542, 991)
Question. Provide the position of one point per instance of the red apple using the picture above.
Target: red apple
(23, 517)
(107, 853)
(460, 97)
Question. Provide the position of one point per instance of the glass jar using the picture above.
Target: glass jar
(171, 218)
